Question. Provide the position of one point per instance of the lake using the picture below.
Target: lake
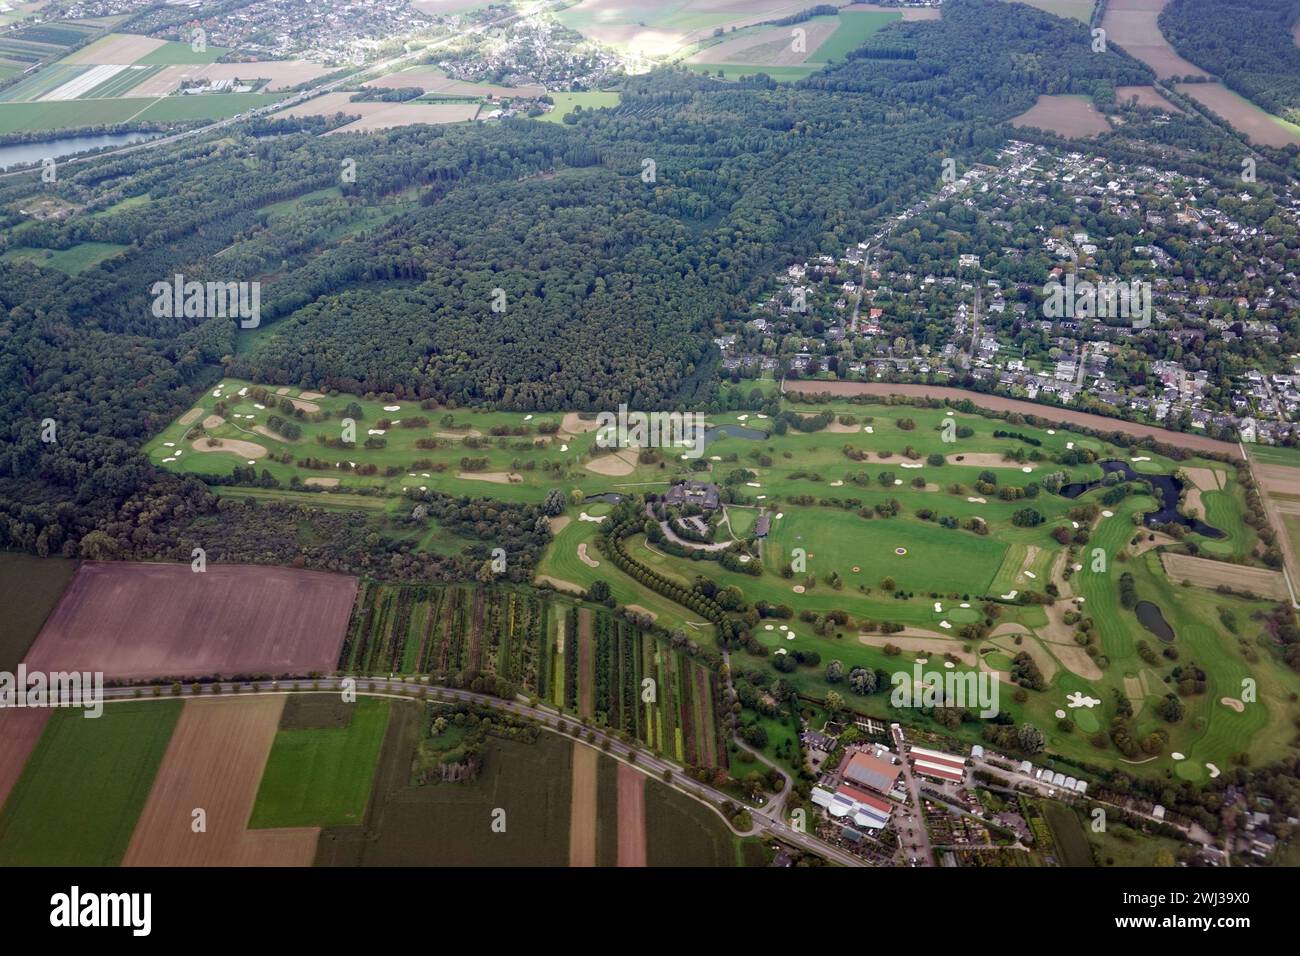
(22, 154)
(1169, 489)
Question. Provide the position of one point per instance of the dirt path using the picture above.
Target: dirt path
(585, 689)
(214, 763)
(20, 731)
(997, 403)
(631, 816)
(582, 808)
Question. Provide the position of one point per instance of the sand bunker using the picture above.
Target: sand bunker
(309, 395)
(560, 584)
(616, 465)
(321, 482)
(496, 477)
(573, 425)
(1079, 699)
(594, 519)
(982, 459)
(213, 421)
(244, 449)
(1232, 702)
(586, 558)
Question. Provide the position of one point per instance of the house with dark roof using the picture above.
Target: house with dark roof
(701, 493)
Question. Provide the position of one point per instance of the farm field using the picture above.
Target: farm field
(1073, 116)
(146, 621)
(70, 114)
(1145, 96)
(1132, 24)
(1243, 115)
(32, 590)
(1080, 10)
(51, 819)
(434, 82)
(661, 29)
(214, 762)
(450, 824)
(321, 775)
(585, 661)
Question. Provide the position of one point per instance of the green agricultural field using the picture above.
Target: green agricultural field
(77, 801)
(180, 54)
(322, 777)
(41, 82)
(32, 589)
(122, 83)
(73, 260)
(854, 30)
(450, 824)
(566, 103)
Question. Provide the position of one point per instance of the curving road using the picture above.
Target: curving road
(549, 719)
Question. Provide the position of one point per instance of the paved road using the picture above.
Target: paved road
(549, 719)
(351, 78)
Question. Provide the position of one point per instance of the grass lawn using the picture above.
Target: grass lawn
(1121, 845)
(72, 261)
(77, 801)
(322, 777)
(565, 103)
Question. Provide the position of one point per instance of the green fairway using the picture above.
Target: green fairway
(322, 777)
(936, 558)
(77, 801)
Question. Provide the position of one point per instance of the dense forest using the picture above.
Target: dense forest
(1248, 43)
(613, 280)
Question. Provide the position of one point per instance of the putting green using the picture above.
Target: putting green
(998, 661)
(961, 615)
(1190, 770)
(1085, 719)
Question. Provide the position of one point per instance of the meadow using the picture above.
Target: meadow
(54, 818)
(321, 775)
